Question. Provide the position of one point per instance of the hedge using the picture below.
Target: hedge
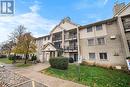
(128, 58)
(33, 58)
(59, 63)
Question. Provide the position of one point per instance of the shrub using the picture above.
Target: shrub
(128, 57)
(33, 58)
(71, 60)
(59, 63)
(10, 57)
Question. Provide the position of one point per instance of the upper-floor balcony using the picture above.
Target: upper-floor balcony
(71, 48)
(127, 26)
(57, 37)
(57, 44)
(126, 23)
(71, 35)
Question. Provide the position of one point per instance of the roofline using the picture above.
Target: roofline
(41, 37)
(99, 22)
(71, 22)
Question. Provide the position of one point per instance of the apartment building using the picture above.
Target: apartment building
(105, 42)
(62, 41)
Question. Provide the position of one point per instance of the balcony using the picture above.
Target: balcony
(127, 26)
(71, 34)
(71, 37)
(71, 48)
(57, 37)
(57, 44)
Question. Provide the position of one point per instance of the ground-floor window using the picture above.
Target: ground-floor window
(92, 56)
(103, 56)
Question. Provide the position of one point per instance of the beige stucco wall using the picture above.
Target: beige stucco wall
(40, 43)
(128, 35)
(66, 55)
(111, 46)
(84, 34)
(49, 47)
(126, 11)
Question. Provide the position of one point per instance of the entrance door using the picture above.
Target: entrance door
(75, 57)
(47, 56)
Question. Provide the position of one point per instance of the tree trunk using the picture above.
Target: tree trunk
(25, 62)
(14, 59)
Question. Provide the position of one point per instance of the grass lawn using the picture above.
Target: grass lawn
(5, 60)
(19, 63)
(92, 76)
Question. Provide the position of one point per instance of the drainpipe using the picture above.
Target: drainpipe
(78, 43)
(79, 59)
(63, 40)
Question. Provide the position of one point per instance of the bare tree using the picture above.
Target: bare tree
(6, 47)
(20, 30)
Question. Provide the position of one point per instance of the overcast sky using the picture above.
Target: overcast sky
(40, 16)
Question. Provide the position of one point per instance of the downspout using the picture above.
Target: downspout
(78, 43)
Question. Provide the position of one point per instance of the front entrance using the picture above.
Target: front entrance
(47, 56)
(49, 51)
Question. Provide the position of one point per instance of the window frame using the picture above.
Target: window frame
(103, 56)
(93, 42)
(90, 30)
(90, 58)
(97, 27)
(97, 40)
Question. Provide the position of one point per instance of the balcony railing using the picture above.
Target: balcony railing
(57, 36)
(70, 48)
(127, 26)
(71, 37)
(56, 39)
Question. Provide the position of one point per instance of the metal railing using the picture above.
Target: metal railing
(71, 48)
(11, 79)
(127, 26)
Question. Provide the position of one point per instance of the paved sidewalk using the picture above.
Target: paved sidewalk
(33, 73)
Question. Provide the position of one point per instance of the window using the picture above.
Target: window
(101, 41)
(90, 42)
(89, 29)
(91, 56)
(103, 56)
(99, 27)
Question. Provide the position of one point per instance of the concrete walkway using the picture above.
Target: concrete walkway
(33, 73)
